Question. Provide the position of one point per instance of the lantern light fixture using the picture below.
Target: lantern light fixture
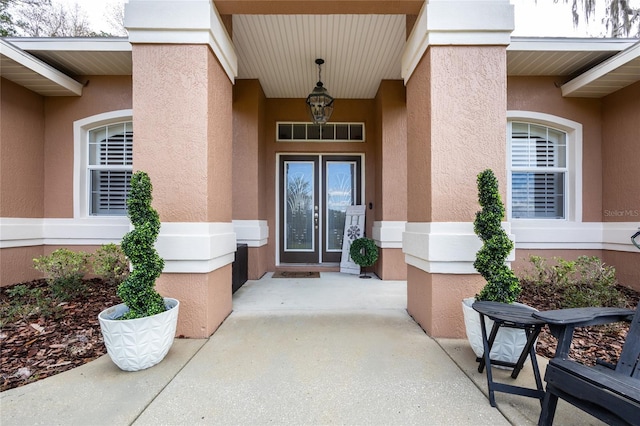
(319, 102)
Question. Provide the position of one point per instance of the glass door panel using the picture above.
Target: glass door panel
(299, 209)
(341, 188)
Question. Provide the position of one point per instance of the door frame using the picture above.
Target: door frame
(320, 156)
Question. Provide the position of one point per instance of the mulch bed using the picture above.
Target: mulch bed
(589, 343)
(34, 347)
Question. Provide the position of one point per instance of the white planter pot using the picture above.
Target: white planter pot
(509, 341)
(140, 343)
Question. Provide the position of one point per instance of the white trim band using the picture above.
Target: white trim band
(181, 22)
(563, 235)
(254, 233)
(196, 247)
(186, 247)
(444, 247)
(388, 233)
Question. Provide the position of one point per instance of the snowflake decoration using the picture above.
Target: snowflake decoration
(353, 232)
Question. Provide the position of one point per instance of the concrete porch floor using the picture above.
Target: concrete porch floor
(333, 350)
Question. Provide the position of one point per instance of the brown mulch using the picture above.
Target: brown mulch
(589, 343)
(35, 347)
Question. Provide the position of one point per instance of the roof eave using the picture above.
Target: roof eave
(615, 73)
(35, 74)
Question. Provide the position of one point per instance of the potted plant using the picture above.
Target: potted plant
(139, 332)
(502, 284)
(364, 252)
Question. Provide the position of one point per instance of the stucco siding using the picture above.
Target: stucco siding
(22, 127)
(621, 155)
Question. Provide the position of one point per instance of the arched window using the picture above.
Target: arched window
(544, 164)
(103, 160)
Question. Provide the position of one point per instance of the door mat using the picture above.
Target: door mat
(296, 274)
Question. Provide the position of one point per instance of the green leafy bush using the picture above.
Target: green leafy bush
(64, 270)
(111, 264)
(584, 282)
(138, 290)
(502, 284)
(22, 302)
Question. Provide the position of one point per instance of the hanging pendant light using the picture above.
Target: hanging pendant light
(319, 103)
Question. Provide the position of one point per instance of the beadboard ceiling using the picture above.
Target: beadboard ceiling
(358, 50)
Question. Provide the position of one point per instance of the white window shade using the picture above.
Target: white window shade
(538, 171)
(110, 168)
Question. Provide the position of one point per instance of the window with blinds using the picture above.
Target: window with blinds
(538, 171)
(110, 168)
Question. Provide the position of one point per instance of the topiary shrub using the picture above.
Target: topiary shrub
(138, 290)
(502, 284)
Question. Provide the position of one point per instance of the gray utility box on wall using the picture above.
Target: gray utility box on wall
(239, 268)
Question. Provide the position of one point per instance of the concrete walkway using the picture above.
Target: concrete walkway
(334, 350)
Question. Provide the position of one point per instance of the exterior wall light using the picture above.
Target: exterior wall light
(319, 103)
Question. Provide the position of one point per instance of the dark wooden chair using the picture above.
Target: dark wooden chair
(608, 392)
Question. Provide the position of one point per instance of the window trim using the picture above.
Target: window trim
(81, 129)
(573, 129)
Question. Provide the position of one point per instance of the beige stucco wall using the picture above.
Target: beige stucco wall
(456, 103)
(541, 94)
(620, 155)
(621, 183)
(391, 170)
(101, 94)
(22, 135)
(182, 103)
(36, 157)
(249, 165)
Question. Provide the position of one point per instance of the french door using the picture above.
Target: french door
(314, 193)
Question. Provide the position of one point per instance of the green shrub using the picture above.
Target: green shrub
(587, 281)
(502, 284)
(110, 263)
(23, 302)
(138, 290)
(64, 270)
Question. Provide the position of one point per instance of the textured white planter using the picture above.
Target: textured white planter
(509, 341)
(139, 343)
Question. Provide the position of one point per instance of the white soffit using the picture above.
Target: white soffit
(611, 75)
(529, 56)
(34, 74)
(81, 56)
(280, 50)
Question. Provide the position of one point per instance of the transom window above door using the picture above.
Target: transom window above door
(330, 132)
